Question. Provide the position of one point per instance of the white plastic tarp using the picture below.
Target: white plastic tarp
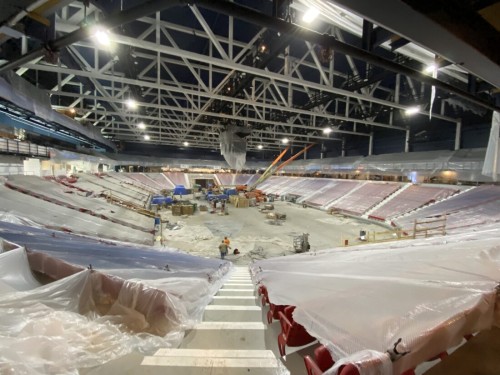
(361, 302)
(233, 146)
(491, 166)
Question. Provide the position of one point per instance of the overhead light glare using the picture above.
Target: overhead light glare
(186, 143)
(102, 37)
(310, 15)
(285, 141)
(430, 68)
(260, 147)
(131, 104)
(327, 130)
(141, 125)
(412, 110)
(147, 137)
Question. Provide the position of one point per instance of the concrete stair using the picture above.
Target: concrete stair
(230, 340)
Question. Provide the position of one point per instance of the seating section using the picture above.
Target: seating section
(242, 179)
(226, 179)
(142, 179)
(338, 189)
(367, 196)
(479, 205)
(161, 180)
(410, 199)
(178, 178)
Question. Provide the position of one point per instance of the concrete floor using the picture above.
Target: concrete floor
(255, 236)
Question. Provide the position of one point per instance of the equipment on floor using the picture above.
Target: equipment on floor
(301, 243)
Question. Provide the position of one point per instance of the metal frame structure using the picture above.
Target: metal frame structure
(277, 83)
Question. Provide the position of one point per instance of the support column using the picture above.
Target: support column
(458, 135)
(343, 147)
(407, 141)
(370, 145)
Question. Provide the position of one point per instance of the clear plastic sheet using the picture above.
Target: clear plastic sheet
(469, 209)
(233, 146)
(54, 329)
(491, 165)
(426, 293)
(134, 299)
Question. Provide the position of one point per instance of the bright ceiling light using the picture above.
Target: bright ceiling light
(102, 37)
(260, 147)
(141, 125)
(131, 104)
(285, 141)
(327, 130)
(310, 15)
(412, 110)
(147, 137)
(430, 68)
(186, 143)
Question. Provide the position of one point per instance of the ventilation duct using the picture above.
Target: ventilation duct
(233, 146)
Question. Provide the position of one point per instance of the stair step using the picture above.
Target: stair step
(236, 292)
(238, 286)
(247, 339)
(215, 353)
(232, 315)
(234, 300)
(231, 325)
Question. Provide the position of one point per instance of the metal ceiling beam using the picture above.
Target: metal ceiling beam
(420, 29)
(121, 18)
(258, 18)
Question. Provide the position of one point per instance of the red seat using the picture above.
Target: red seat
(311, 366)
(292, 333)
(323, 358)
(322, 362)
(263, 292)
(348, 369)
(273, 312)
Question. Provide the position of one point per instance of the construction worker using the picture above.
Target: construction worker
(227, 242)
(223, 249)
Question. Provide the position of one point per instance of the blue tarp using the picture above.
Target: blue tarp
(180, 190)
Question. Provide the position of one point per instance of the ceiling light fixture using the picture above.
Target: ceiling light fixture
(310, 15)
(285, 141)
(102, 37)
(327, 130)
(186, 143)
(259, 147)
(147, 137)
(412, 110)
(430, 68)
(131, 104)
(141, 125)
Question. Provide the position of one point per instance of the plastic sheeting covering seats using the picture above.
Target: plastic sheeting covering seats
(367, 305)
(144, 298)
(55, 329)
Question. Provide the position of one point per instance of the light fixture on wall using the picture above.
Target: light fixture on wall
(285, 141)
(259, 147)
(186, 143)
(327, 130)
(131, 104)
(141, 125)
(147, 137)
